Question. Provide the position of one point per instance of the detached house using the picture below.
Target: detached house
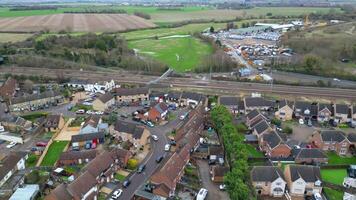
(158, 112)
(325, 112)
(261, 128)
(126, 131)
(258, 103)
(190, 99)
(76, 157)
(254, 117)
(309, 156)
(303, 180)
(93, 124)
(302, 109)
(341, 113)
(53, 123)
(232, 103)
(268, 180)
(285, 110)
(273, 145)
(331, 140)
(131, 95)
(12, 163)
(104, 102)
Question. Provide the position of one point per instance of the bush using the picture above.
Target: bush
(288, 130)
(31, 160)
(276, 122)
(241, 128)
(33, 177)
(132, 164)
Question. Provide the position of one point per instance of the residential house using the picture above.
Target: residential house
(302, 110)
(231, 103)
(158, 112)
(12, 163)
(103, 167)
(173, 97)
(121, 156)
(273, 145)
(8, 89)
(131, 95)
(217, 173)
(241, 106)
(254, 117)
(353, 116)
(15, 123)
(53, 123)
(261, 128)
(127, 131)
(309, 156)
(325, 112)
(34, 101)
(76, 157)
(285, 110)
(331, 140)
(215, 152)
(157, 96)
(26, 192)
(104, 102)
(87, 86)
(93, 124)
(89, 140)
(257, 103)
(341, 113)
(268, 180)
(190, 99)
(352, 139)
(303, 180)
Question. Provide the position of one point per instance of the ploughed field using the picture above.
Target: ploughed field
(74, 23)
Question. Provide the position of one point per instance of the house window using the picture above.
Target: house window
(344, 144)
(342, 151)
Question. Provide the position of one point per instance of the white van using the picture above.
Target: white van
(167, 147)
(202, 194)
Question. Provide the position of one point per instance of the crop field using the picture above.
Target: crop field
(13, 37)
(75, 23)
(182, 53)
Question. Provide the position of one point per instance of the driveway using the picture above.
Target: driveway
(213, 189)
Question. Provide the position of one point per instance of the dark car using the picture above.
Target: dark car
(126, 183)
(136, 119)
(123, 116)
(159, 159)
(141, 168)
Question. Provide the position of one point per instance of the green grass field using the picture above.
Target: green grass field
(53, 153)
(335, 176)
(334, 159)
(333, 194)
(253, 152)
(180, 53)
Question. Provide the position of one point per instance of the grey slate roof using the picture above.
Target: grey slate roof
(272, 138)
(302, 105)
(161, 107)
(352, 137)
(252, 114)
(332, 135)
(265, 174)
(261, 126)
(174, 95)
(129, 128)
(341, 109)
(75, 155)
(87, 137)
(229, 101)
(257, 102)
(105, 97)
(285, 102)
(310, 153)
(306, 172)
(131, 91)
(9, 163)
(192, 96)
(323, 106)
(33, 97)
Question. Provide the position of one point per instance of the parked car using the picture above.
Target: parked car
(116, 194)
(167, 147)
(301, 121)
(123, 116)
(126, 183)
(136, 119)
(141, 168)
(159, 159)
(41, 144)
(81, 111)
(222, 187)
(150, 124)
(155, 137)
(202, 194)
(12, 144)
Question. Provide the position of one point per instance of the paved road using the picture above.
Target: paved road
(193, 83)
(157, 150)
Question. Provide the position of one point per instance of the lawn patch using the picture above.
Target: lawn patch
(253, 152)
(335, 159)
(53, 153)
(120, 177)
(333, 194)
(335, 176)
(34, 116)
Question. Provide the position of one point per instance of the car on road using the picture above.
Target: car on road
(202, 194)
(317, 196)
(90, 112)
(41, 144)
(81, 111)
(155, 137)
(141, 168)
(159, 159)
(336, 79)
(301, 121)
(222, 187)
(167, 147)
(126, 183)
(12, 144)
(123, 116)
(116, 194)
(150, 124)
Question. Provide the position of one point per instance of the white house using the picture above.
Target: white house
(93, 87)
(10, 164)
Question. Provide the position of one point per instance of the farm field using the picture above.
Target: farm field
(75, 23)
(53, 153)
(13, 37)
(182, 53)
(335, 176)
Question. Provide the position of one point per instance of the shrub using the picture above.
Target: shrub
(132, 164)
(276, 122)
(288, 130)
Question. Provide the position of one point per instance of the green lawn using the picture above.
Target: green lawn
(120, 177)
(335, 176)
(34, 116)
(181, 54)
(53, 153)
(253, 152)
(334, 159)
(333, 194)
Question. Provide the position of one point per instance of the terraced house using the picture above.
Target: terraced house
(34, 101)
(341, 113)
(325, 112)
(104, 102)
(131, 95)
(273, 145)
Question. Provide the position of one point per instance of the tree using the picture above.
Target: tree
(229, 25)
(288, 130)
(311, 63)
(132, 164)
(269, 14)
(276, 122)
(212, 30)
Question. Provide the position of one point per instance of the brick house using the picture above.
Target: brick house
(303, 180)
(261, 128)
(158, 112)
(53, 123)
(10, 164)
(253, 117)
(34, 101)
(232, 103)
(104, 102)
(217, 173)
(127, 131)
(268, 180)
(285, 110)
(131, 95)
(352, 139)
(257, 103)
(190, 99)
(76, 157)
(331, 140)
(302, 109)
(341, 113)
(325, 112)
(273, 145)
(309, 156)
(90, 140)
(8, 89)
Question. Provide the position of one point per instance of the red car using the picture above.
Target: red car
(41, 144)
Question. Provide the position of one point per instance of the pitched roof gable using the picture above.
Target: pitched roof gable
(332, 136)
(306, 172)
(266, 174)
(129, 128)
